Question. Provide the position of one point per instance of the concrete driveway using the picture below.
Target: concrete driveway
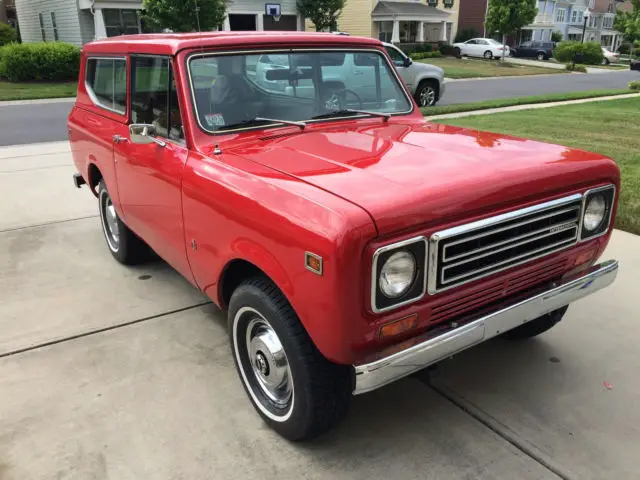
(109, 372)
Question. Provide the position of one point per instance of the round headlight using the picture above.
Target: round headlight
(594, 213)
(397, 274)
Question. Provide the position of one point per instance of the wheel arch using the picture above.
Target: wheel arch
(94, 175)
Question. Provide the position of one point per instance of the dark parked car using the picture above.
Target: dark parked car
(539, 50)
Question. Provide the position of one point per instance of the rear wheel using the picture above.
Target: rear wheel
(427, 93)
(541, 56)
(457, 52)
(537, 326)
(297, 391)
(488, 55)
(605, 61)
(125, 246)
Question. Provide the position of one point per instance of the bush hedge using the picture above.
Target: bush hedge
(635, 85)
(419, 56)
(409, 48)
(447, 50)
(575, 68)
(53, 61)
(589, 53)
(7, 34)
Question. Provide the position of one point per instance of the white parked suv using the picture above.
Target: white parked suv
(481, 47)
(426, 82)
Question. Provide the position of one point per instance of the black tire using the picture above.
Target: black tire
(320, 391)
(457, 52)
(541, 56)
(427, 93)
(537, 326)
(125, 246)
(605, 61)
(488, 55)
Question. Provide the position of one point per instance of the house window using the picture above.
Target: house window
(607, 22)
(120, 22)
(42, 31)
(575, 16)
(592, 21)
(575, 37)
(561, 14)
(55, 26)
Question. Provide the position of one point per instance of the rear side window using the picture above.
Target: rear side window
(106, 83)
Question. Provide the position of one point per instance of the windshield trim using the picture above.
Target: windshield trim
(194, 103)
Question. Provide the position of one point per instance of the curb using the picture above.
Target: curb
(511, 77)
(530, 106)
(41, 101)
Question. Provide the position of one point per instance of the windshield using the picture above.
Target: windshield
(241, 91)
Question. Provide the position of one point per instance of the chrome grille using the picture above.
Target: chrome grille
(468, 252)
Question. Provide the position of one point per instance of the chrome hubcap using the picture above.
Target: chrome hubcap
(269, 362)
(427, 97)
(110, 222)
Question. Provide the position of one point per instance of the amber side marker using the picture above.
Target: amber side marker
(398, 326)
(313, 262)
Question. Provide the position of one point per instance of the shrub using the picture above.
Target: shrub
(53, 61)
(625, 48)
(575, 68)
(589, 53)
(556, 36)
(7, 34)
(635, 85)
(466, 34)
(421, 55)
(409, 48)
(446, 49)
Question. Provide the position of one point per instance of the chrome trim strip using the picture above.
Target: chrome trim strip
(571, 240)
(214, 53)
(515, 225)
(374, 268)
(435, 348)
(584, 205)
(484, 223)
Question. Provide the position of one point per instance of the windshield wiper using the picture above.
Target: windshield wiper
(263, 120)
(338, 113)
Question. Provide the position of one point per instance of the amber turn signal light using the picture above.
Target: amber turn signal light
(397, 327)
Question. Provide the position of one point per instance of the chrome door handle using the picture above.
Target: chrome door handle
(119, 139)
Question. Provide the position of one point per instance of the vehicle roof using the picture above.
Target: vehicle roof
(171, 43)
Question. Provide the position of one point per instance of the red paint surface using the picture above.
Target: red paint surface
(339, 189)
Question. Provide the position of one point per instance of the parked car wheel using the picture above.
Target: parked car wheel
(605, 61)
(125, 246)
(541, 56)
(488, 55)
(427, 93)
(457, 52)
(296, 390)
(537, 326)
(512, 52)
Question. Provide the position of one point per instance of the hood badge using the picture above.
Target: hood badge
(560, 228)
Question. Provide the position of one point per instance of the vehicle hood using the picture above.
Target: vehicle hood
(408, 174)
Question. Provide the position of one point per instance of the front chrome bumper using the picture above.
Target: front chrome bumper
(442, 345)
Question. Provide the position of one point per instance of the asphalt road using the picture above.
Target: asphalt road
(45, 122)
(121, 372)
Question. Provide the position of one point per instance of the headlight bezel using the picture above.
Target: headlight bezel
(417, 246)
(608, 192)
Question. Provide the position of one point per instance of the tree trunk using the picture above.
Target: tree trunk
(504, 46)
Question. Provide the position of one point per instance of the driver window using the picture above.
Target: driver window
(396, 56)
(472, 42)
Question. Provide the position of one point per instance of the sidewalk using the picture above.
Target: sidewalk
(516, 108)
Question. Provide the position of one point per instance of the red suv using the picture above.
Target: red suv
(349, 242)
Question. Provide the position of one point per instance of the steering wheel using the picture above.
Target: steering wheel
(338, 99)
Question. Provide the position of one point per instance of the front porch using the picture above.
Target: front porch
(397, 22)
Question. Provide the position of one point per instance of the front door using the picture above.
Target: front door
(150, 175)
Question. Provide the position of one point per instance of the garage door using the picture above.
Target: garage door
(286, 22)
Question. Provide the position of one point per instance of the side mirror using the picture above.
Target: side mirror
(407, 62)
(144, 133)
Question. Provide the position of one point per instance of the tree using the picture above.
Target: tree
(7, 34)
(180, 15)
(508, 16)
(556, 36)
(323, 13)
(628, 23)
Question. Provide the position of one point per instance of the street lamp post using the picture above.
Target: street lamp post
(584, 31)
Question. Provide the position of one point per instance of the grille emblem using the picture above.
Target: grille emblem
(560, 228)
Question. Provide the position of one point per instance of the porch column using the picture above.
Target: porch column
(226, 26)
(443, 34)
(98, 25)
(259, 22)
(613, 43)
(421, 32)
(395, 34)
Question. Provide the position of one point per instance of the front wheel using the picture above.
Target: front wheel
(427, 93)
(457, 52)
(297, 391)
(541, 57)
(537, 326)
(488, 55)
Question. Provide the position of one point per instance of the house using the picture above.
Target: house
(400, 21)
(258, 15)
(76, 21)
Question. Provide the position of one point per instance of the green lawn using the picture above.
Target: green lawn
(611, 128)
(33, 90)
(468, 68)
(510, 102)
